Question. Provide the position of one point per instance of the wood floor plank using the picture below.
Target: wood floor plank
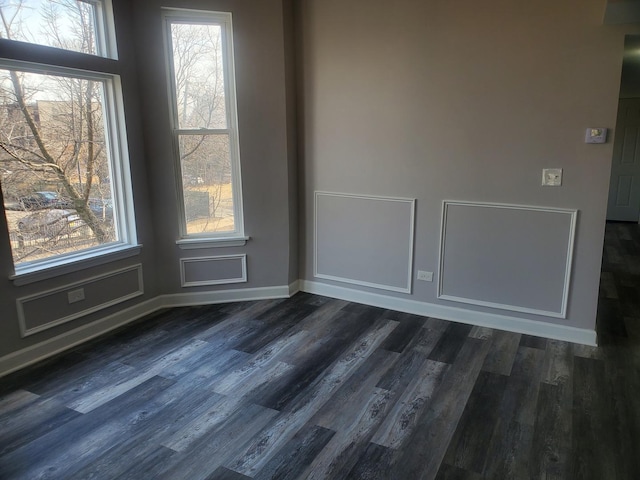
(61, 452)
(297, 454)
(593, 456)
(424, 450)
(15, 400)
(404, 334)
(446, 350)
(266, 444)
(243, 316)
(533, 342)
(469, 445)
(167, 414)
(215, 448)
(345, 405)
(310, 360)
(509, 451)
(102, 395)
(147, 466)
(375, 463)
(344, 448)
(450, 472)
(402, 419)
(222, 473)
(553, 432)
(558, 363)
(502, 354)
(35, 419)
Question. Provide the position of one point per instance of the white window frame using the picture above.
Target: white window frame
(102, 67)
(224, 20)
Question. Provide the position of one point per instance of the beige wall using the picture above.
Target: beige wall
(461, 100)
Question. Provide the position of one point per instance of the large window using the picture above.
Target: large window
(200, 59)
(63, 157)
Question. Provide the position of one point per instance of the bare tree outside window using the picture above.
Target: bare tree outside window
(55, 170)
(204, 124)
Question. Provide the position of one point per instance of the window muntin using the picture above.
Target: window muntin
(200, 59)
(74, 25)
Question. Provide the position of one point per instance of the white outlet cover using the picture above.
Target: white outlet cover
(425, 276)
(551, 177)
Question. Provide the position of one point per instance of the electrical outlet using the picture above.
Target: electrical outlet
(425, 276)
(76, 295)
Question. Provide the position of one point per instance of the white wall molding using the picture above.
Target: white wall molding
(224, 296)
(47, 348)
(411, 205)
(32, 354)
(294, 287)
(482, 319)
(561, 312)
(21, 301)
(242, 258)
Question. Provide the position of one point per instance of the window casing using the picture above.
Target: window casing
(199, 47)
(62, 131)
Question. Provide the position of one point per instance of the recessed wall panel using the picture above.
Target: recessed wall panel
(214, 270)
(507, 256)
(364, 240)
(50, 308)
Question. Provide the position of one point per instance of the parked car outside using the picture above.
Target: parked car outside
(41, 200)
(50, 223)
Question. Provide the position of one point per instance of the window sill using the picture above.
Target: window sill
(32, 274)
(199, 243)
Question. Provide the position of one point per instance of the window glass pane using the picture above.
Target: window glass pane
(199, 76)
(55, 170)
(206, 180)
(66, 24)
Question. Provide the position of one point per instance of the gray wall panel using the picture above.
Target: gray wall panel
(47, 309)
(365, 240)
(213, 270)
(509, 257)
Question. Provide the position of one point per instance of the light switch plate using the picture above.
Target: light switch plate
(551, 177)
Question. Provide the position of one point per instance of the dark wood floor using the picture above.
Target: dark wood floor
(318, 388)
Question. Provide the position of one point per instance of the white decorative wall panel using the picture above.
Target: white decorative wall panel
(214, 270)
(364, 240)
(47, 309)
(509, 257)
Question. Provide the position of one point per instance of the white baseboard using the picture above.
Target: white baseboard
(294, 287)
(224, 296)
(482, 319)
(47, 348)
(27, 356)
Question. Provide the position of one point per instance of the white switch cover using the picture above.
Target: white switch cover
(551, 177)
(425, 276)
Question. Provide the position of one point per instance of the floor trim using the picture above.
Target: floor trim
(40, 351)
(224, 296)
(47, 348)
(27, 356)
(482, 319)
